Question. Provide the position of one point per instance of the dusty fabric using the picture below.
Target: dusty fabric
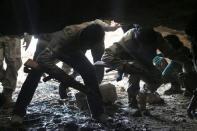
(10, 51)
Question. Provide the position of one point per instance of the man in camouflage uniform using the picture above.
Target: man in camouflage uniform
(10, 51)
(44, 39)
(133, 54)
(66, 46)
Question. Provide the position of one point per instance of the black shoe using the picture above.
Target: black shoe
(133, 102)
(134, 110)
(16, 120)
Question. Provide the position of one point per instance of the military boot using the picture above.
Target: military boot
(142, 100)
(7, 96)
(16, 120)
(133, 104)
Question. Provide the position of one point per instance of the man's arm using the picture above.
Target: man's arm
(112, 26)
(115, 56)
(181, 55)
(97, 53)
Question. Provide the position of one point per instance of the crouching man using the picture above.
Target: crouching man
(66, 46)
(133, 54)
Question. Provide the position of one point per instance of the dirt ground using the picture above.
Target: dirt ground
(48, 113)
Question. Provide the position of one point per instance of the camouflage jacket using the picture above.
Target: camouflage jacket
(71, 37)
(144, 53)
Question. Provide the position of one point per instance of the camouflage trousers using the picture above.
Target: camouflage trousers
(10, 52)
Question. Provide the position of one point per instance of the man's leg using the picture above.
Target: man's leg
(152, 79)
(62, 89)
(27, 90)
(133, 90)
(2, 71)
(82, 65)
(14, 62)
(97, 53)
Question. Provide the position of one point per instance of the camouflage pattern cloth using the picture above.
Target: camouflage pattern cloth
(10, 51)
(135, 57)
(127, 49)
(141, 67)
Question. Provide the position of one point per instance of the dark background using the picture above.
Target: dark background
(40, 16)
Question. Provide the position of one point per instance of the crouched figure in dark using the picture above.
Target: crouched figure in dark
(66, 46)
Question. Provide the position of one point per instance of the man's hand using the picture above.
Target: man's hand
(115, 25)
(110, 25)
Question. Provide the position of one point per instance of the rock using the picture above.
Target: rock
(154, 98)
(108, 92)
